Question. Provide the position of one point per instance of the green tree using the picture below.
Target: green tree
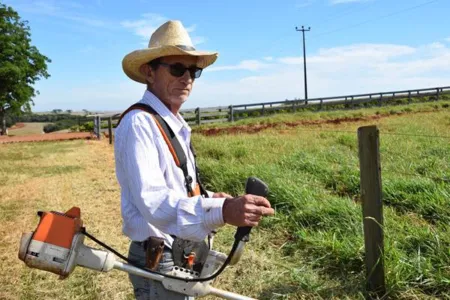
(21, 65)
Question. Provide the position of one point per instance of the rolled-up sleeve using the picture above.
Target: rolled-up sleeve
(142, 171)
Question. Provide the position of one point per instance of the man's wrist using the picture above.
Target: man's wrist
(224, 208)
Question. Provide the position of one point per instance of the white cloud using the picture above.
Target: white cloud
(67, 10)
(197, 40)
(335, 71)
(352, 69)
(447, 39)
(304, 3)
(249, 65)
(146, 26)
(149, 22)
(268, 58)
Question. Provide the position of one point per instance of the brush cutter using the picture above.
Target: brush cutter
(57, 246)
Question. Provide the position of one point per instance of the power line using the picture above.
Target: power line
(346, 13)
(374, 19)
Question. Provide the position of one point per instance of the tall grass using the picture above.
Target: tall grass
(313, 174)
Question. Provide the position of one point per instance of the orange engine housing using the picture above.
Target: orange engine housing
(59, 229)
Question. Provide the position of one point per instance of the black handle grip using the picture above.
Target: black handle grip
(256, 187)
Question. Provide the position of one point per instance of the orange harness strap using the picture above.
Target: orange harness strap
(174, 147)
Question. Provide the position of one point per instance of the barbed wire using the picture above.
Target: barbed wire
(381, 133)
(434, 178)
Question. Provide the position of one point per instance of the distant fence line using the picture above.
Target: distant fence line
(231, 113)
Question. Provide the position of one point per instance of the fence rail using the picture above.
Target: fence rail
(231, 113)
(220, 114)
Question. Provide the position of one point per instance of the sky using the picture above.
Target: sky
(354, 46)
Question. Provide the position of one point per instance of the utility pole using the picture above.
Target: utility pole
(304, 58)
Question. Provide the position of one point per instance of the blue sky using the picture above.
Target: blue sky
(354, 46)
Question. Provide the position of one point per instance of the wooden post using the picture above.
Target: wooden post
(263, 110)
(293, 106)
(372, 207)
(197, 113)
(321, 104)
(437, 94)
(380, 101)
(409, 97)
(231, 114)
(98, 127)
(110, 130)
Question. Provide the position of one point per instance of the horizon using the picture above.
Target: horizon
(354, 47)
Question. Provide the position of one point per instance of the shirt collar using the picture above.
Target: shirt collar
(176, 123)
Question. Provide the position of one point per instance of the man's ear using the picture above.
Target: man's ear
(147, 71)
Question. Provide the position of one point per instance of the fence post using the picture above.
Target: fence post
(197, 114)
(97, 127)
(110, 130)
(293, 106)
(409, 97)
(372, 207)
(321, 104)
(263, 110)
(437, 94)
(380, 103)
(231, 114)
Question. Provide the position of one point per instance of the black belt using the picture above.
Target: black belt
(139, 243)
(142, 244)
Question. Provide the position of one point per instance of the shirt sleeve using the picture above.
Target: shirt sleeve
(142, 172)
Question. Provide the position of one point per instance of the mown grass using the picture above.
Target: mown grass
(313, 247)
(28, 129)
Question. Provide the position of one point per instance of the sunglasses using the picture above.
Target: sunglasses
(178, 70)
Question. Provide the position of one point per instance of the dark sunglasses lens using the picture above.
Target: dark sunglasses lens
(196, 72)
(177, 70)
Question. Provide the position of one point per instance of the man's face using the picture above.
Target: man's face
(172, 90)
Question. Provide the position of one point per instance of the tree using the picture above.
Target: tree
(57, 111)
(21, 65)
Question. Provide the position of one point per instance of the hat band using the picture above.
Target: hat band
(185, 48)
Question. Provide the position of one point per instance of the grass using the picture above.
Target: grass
(29, 129)
(311, 249)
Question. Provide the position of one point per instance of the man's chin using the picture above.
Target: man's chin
(182, 98)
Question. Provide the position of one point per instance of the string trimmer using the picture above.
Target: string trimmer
(57, 246)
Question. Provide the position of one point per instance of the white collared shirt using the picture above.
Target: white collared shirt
(154, 199)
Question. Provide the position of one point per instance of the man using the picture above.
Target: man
(154, 197)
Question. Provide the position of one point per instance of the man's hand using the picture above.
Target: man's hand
(221, 195)
(246, 210)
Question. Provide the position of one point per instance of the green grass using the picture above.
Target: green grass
(313, 175)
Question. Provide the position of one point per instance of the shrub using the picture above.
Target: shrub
(51, 128)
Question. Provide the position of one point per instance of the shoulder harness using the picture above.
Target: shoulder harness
(178, 154)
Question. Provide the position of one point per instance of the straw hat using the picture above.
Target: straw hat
(171, 38)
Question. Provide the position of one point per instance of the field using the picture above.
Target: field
(21, 129)
(312, 248)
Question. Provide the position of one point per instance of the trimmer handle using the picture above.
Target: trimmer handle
(256, 187)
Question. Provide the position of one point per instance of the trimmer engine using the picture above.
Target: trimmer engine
(51, 247)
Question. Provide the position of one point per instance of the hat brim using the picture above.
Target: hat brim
(132, 62)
